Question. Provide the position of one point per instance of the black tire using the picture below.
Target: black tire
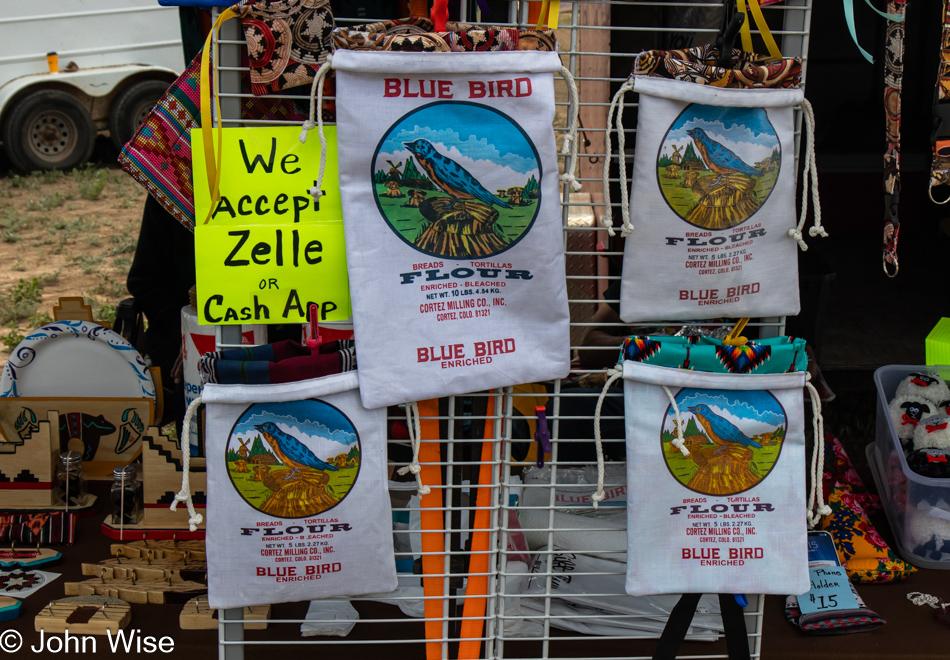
(48, 130)
(130, 109)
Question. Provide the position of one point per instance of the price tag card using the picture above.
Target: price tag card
(830, 590)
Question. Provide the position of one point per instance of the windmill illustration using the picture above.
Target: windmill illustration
(394, 173)
(677, 157)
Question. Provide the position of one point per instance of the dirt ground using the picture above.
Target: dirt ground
(64, 234)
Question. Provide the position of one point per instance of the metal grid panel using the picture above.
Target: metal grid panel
(597, 39)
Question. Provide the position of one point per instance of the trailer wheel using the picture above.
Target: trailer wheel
(48, 130)
(131, 108)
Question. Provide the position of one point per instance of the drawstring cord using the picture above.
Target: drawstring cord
(678, 441)
(613, 375)
(569, 144)
(810, 176)
(415, 437)
(607, 221)
(627, 226)
(316, 121)
(816, 498)
(184, 495)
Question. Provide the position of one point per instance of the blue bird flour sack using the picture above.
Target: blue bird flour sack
(452, 210)
(711, 227)
(298, 507)
(716, 468)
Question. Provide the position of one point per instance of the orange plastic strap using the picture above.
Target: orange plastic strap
(534, 12)
(473, 614)
(440, 14)
(419, 8)
(433, 527)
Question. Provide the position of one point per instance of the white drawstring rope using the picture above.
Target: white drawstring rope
(569, 145)
(816, 498)
(677, 442)
(809, 176)
(415, 437)
(316, 120)
(608, 221)
(614, 374)
(184, 495)
(626, 225)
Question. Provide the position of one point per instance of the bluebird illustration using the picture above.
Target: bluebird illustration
(448, 175)
(291, 451)
(720, 430)
(718, 158)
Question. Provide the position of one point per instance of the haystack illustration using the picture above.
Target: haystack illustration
(767, 164)
(296, 495)
(724, 201)
(516, 195)
(415, 199)
(722, 470)
(392, 189)
(463, 229)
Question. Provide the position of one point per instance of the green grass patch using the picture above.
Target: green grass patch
(109, 287)
(46, 202)
(92, 187)
(22, 301)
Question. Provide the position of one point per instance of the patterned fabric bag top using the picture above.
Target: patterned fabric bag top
(699, 65)
(416, 35)
(283, 362)
(159, 154)
(775, 355)
(40, 528)
(287, 41)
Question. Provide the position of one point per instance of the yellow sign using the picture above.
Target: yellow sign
(268, 249)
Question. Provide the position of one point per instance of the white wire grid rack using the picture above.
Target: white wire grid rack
(597, 39)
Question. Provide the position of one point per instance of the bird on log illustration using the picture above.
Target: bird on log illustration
(719, 430)
(718, 158)
(451, 177)
(292, 453)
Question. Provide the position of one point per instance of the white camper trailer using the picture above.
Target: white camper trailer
(70, 69)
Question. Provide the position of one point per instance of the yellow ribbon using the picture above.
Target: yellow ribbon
(204, 90)
(550, 9)
(745, 32)
(734, 338)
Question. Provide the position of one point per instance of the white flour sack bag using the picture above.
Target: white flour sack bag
(710, 224)
(452, 216)
(716, 475)
(298, 507)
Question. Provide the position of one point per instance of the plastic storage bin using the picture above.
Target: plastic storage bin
(917, 507)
